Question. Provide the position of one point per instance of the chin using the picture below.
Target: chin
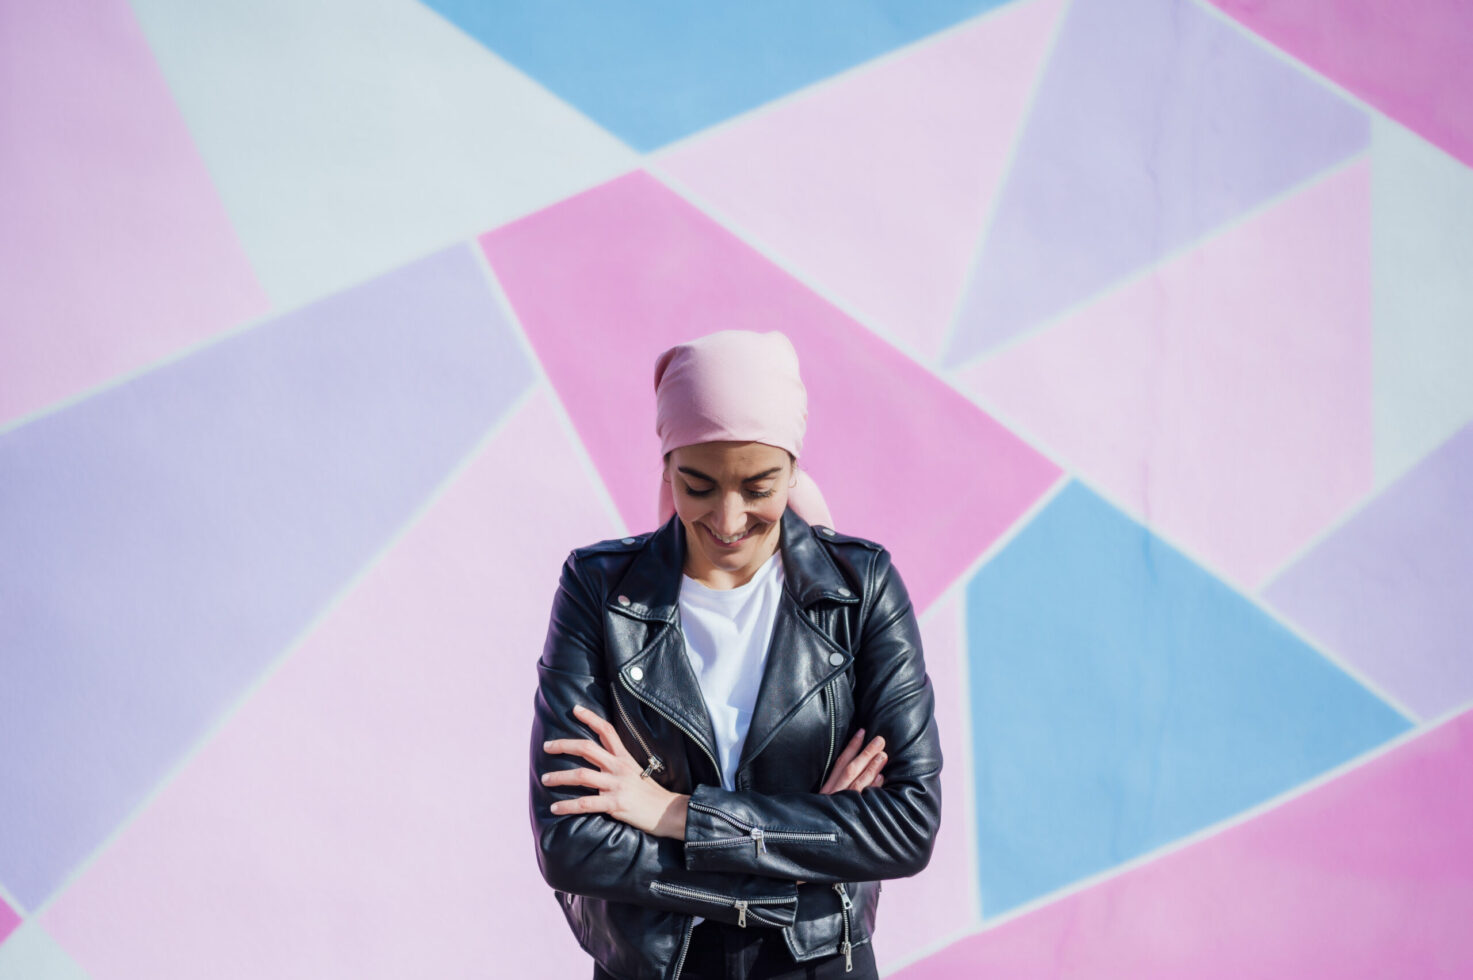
(728, 559)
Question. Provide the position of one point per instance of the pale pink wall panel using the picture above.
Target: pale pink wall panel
(364, 814)
(115, 250)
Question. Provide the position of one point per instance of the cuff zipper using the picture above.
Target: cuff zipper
(757, 835)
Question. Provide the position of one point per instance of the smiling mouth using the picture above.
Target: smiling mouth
(730, 542)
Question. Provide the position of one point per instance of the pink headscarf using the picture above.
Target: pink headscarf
(737, 386)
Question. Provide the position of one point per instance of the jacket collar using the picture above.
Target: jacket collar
(651, 586)
(654, 665)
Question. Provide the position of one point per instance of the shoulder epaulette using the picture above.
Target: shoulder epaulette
(628, 543)
(829, 535)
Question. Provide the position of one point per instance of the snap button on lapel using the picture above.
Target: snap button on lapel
(626, 541)
(836, 659)
(636, 673)
(845, 592)
(623, 600)
(827, 530)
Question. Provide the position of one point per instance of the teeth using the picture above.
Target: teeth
(730, 540)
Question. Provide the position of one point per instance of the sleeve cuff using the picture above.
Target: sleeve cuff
(721, 834)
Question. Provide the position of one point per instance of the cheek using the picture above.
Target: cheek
(689, 515)
(771, 510)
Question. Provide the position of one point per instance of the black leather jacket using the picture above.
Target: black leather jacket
(845, 653)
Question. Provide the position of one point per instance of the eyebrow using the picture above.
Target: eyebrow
(760, 476)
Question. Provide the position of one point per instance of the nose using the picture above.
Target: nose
(731, 515)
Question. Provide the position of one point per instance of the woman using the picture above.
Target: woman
(703, 797)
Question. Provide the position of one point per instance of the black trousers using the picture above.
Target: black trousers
(722, 952)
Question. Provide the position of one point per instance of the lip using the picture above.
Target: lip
(711, 535)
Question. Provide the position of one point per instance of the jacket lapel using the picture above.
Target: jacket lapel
(800, 657)
(643, 620)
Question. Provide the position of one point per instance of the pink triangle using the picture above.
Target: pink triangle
(1366, 876)
(1225, 400)
(1410, 60)
(875, 186)
(606, 280)
(9, 920)
(115, 249)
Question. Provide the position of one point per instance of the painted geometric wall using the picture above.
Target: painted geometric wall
(1140, 331)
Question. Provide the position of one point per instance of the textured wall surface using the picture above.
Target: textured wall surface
(1140, 331)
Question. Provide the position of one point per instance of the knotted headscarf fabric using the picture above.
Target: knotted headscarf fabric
(736, 386)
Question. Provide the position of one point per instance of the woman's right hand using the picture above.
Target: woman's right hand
(857, 768)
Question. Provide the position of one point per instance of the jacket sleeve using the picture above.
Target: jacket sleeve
(882, 832)
(594, 854)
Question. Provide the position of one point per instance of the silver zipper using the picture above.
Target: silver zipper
(845, 947)
(655, 765)
(828, 698)
(739, 904)
(664, 714)
(684, 945)
(758, 835)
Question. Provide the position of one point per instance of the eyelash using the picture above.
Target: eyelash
(750, 493)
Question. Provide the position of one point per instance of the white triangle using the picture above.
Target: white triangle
(347, 138)
(30, 954)
(1422, 255)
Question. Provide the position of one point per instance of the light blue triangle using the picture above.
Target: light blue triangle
(1122, 698)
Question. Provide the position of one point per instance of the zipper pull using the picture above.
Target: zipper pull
(760, 840)
(843, 896)
(655, 766)
(741, 908)
(848, 956)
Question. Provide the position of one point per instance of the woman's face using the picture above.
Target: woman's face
(730, 496)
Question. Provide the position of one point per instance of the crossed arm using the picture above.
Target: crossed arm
(624, 841)
(626, 795)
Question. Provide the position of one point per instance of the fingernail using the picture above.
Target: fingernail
(545, 776)
(556, 808)
(547, 746)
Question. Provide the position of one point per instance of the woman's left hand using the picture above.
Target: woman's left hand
(624, 793)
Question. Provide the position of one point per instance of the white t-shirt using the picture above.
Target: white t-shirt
(726, 636)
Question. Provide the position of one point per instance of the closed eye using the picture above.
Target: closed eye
(756, 494)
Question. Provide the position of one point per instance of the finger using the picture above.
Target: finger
(863, 759)
(851, 749)
(584, 749)
(849, 775)
(867, 772)
(867, 777)
(878, 781)
(836, 774)
(602, 803)
(845, 772)
(605, 731)
(581, 776)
